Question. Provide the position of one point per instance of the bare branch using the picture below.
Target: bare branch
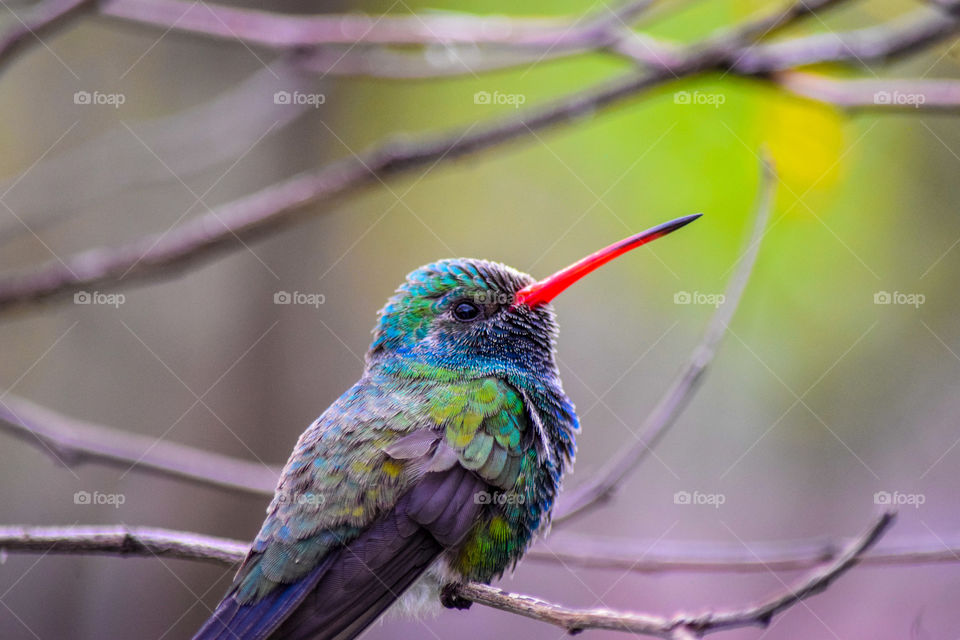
(568, 548)
(269, 210)
(272, 208)
(576, 620)
(121, 540)
(42, 20)
(281, 31)
(458, 60)
(903, 95)
(392, 64)
(898, 37)
(161, 542)
(599, 487)
(649, 556)
(452, 43)
(883, 42)
(73, 442)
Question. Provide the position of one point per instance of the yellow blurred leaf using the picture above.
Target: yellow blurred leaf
(807, 140)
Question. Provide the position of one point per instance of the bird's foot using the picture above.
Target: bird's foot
(450, 599)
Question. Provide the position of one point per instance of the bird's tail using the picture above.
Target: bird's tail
(341, 597)
(257, 621)
(356, 582)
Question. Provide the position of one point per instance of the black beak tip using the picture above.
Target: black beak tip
(673, 225)
(688, 219)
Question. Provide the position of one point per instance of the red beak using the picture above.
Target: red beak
(549, 288)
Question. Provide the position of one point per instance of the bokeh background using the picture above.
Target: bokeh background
(818, 398)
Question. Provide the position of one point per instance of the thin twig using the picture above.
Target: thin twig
(649, 556)
(73, 442)
(680, 625)
(600, 486)
(161, 542)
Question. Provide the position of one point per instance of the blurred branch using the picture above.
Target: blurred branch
(459, 60)
(392, 64)
(649, 556)
(355, 44)
(600, 486)
(903, 35)
(452, 43)
(43, 19)
(161, 542)
(271, 209)
(681, 625)
(267, 211)
(284, 31)
(903, 95)
(906, 34)
(555, 37)
(72, 442)
(918, 29)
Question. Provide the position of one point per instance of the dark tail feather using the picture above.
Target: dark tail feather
(233, 621)
(367, 577)
(355, 583)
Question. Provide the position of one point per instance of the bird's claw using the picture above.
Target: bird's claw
(450, 599)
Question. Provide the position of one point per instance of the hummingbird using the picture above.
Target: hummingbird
(440, 465)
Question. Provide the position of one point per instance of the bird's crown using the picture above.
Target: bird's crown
(463, 310)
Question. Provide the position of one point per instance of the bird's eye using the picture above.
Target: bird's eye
(466, 311)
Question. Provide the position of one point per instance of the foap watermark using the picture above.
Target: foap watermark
(897, 499)
(99, 98)
(497, 97)
(901, 98)
(498, 497)
(494, 297)
(98, 297)
(697, 297)
(314, 499)
(300, 98)
(699, 97)
(698, 498)
(97, 498)
(899, 297)
(299, 297)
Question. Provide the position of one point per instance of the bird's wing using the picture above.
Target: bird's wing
(365, 506)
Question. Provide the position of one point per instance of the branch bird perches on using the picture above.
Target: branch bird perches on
(149, 542)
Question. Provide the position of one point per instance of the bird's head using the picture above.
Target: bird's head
(483, 317)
